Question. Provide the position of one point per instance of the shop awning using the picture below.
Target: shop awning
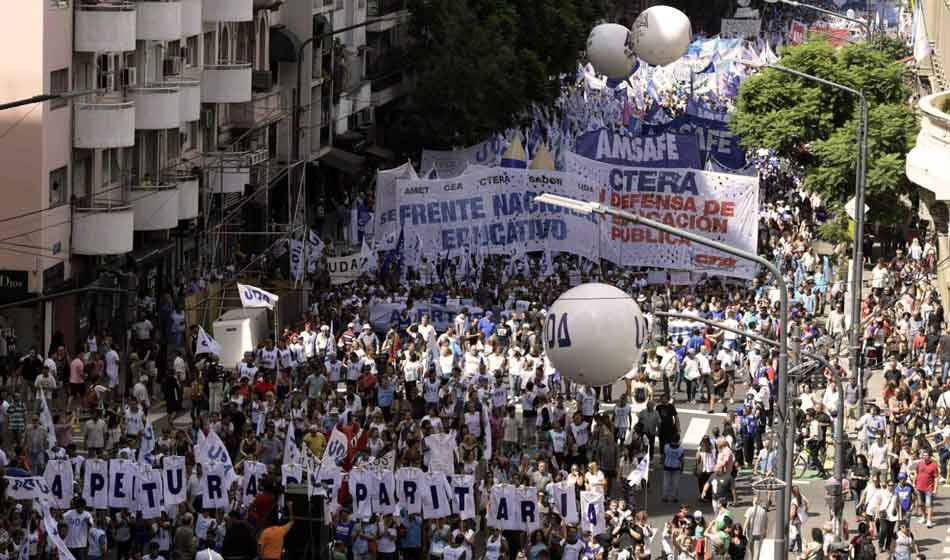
(380, 152)
(283, 44)
(342, 160)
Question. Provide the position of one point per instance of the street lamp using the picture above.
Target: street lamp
(786, 451)
(862, 24)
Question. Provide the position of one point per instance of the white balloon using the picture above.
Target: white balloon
(660, 35)
(609, 52)
(594, 334)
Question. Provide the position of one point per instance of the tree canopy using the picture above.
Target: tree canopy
(815, 126)
(478, 63)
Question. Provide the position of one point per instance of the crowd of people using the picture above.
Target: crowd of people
(477, 392)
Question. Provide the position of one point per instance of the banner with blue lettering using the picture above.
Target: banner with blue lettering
(26, 487)
(382, 315)
(662, 150)
(384, 213)
(361, 488)
(715, 205)
(409, 489)
(565, 501)
(384, 497)
(715, 138)
(694, 109)
(149, 492)
(173, 470)
(59, 477)
(463, 496)
(95, 481)
(215, 487)
(121, 483)
(494, 209)
(593, 520)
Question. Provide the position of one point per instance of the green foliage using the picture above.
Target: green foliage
(816, 126)
(835, 230)
(893, 47)
(477, 63)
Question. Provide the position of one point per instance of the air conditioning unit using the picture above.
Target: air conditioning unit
(129, 77)
(262, 80)
(172, 66)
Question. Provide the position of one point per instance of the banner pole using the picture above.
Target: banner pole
(276, 319)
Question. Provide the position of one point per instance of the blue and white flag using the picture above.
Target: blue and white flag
(205, 344)
(147, 444)
(256, 297)
(291, 447)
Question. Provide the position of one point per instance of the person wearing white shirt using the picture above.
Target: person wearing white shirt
(308, 339)
(79, 521)
(323, 343)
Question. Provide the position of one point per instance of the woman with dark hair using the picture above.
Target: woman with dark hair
(705, 462)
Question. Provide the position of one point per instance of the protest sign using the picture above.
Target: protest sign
(663, 150)
(715, 205)
(382, 315)
(797, 32)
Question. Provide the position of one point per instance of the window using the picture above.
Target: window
(58, 83)
(58, 185)
(191, 53)
(82, 173)
(59, 4)
(112, 166)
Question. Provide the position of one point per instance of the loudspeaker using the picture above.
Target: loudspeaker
(305, 507)
(309, 538)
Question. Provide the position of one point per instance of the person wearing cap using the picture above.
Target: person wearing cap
(369, 340)
(270, 544)
(323, 344)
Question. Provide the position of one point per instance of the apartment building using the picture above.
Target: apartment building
(173, 146)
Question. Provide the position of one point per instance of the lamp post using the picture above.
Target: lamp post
(862, 24)
(786, 451)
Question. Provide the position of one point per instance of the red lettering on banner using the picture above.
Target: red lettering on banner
(715, 261)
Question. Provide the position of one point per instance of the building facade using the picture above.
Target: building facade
(172, 154)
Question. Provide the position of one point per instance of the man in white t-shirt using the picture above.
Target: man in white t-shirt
(308, 338)
(79, 521)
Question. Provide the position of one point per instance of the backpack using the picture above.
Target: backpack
(640, 395)
(865, 550)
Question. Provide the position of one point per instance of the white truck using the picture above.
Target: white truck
(238, 331)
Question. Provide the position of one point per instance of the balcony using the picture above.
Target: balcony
(189, 98)
(230, 172)
(102, 230)
(191, 23)
(104, 123)
(155, 206)
(264, 4)
(102, 28)
(158, 107)
(158, 20)
(262, 109)
(187, 197)
(226, 82)
(386, 74)
(927, 162)
(228, 10)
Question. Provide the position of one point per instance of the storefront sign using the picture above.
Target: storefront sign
(14, 285)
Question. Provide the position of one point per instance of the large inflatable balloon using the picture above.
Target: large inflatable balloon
(594, 333)
(608, 49)
(660, 35)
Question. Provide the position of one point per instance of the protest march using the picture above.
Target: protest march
(414, 411)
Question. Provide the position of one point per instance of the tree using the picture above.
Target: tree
(478, 63)
(816, 126)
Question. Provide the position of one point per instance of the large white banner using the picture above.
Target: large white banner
(452, 163)
(493, 211)
(715, 205)
(384, 213)
(383, 315)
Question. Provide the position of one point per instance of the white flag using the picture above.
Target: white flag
(920, 41)
(211, 450)
(291, 447)
(148, 440)
(256, 297)
(52, 531)
(205, 344)
(641, 473)
(47, 420)
(368, 262)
